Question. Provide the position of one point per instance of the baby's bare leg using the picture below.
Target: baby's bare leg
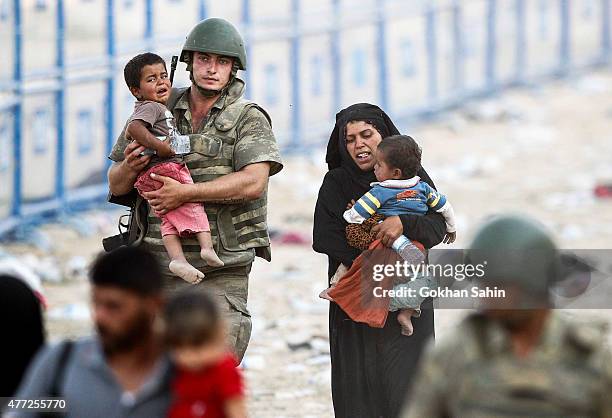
(404, 317)
(207, 252)
(178, 264)
(341, 271)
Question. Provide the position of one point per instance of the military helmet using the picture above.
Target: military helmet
(516, 249)
(216, 36)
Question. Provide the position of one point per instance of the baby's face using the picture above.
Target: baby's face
(382, 170)
(154, 84)
(200, 356)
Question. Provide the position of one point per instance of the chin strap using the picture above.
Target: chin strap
(212, 93)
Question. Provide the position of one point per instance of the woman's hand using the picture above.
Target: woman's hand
(389, 230)
(170, 196)
(133, 160)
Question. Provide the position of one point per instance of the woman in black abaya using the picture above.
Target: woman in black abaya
(371, 367)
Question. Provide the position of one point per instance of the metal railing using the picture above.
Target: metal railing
(413, 59)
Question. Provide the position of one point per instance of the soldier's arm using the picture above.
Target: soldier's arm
(249, 183)
(255, 159)
(605, 365)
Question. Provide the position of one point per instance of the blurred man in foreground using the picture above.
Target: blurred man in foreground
(122, 371)
(516, 357)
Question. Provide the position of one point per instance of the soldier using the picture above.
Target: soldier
(516, 357)
(232, 156)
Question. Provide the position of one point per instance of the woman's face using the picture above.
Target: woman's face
(362, 139)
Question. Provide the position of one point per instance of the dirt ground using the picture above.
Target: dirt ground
(536, 151)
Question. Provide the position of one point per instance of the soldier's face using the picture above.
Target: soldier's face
(211, 71)
(515, 309)
(362, 139)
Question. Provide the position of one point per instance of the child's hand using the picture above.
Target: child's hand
(449, 238)
(164, 150)
(350, 204)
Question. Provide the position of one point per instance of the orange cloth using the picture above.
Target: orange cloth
(354, 292)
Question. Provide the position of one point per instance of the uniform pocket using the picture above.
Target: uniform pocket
(205, 144)
(238, 304)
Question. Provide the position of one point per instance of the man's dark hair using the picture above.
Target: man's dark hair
(402, 151)
(191, 318)
(129, 268)
(133, 69)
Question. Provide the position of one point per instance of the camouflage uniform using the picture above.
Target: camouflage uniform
(235, 133)
(473, 373)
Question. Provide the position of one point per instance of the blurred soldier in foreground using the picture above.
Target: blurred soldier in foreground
(516, 357)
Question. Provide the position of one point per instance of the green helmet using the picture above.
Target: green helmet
(216, 36)
(516, 250)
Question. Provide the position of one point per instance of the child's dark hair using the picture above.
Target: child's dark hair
(130, 268)
(133, 69)
(402, 151)
(191, 318)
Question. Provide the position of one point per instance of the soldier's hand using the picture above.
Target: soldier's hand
(389, 230)
(167, 197)
(133, 160)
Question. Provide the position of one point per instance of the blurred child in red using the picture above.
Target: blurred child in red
(207, 383)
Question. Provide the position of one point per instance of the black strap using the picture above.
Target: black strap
(175, 95)
(55, 390)
(60, 369)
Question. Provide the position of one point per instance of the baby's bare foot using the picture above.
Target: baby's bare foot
(404, 317)
(210, 256)
(325, 295)
(186, 271)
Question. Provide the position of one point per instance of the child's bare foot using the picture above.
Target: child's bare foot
(404, 317)
(325, 295)
(210, 256)
(186, 271)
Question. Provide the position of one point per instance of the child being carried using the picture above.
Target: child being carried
(147, 79)
(399, 191)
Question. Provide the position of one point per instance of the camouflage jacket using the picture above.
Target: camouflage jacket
(473, 373)
(236, 133)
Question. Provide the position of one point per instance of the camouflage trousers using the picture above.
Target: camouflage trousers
(230, 287)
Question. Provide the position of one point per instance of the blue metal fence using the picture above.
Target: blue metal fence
(440, 53)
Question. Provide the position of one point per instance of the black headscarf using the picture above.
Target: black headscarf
(337, 155)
